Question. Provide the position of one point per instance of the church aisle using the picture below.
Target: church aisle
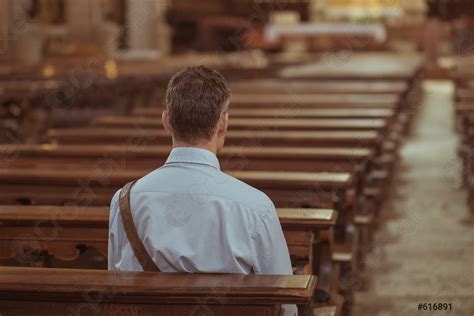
(424, 251)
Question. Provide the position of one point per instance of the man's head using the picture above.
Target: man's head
(197, 99)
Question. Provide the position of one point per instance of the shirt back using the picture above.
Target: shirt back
(192, 217)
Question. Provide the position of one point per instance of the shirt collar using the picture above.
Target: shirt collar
(193, 155)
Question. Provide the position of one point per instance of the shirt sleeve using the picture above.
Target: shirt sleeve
(113, 231)
(269, 245)
(271, 251)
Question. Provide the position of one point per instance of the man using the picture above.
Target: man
(190, 216)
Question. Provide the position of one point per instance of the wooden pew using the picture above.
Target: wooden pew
(383, 160)
(271, 124)
(466, 153)
(94, 188)
(145, 137)
(341, 113)
(359, 66)
(283, 105)
(156, 136)
(464, 94)
(462, 112)
(272, 85)
(231, 157)
(314, 101)
(104, 158)
(321, 88)
(384, 149)
(28, 107)
(36, 291)
(365, 67)
(278, 100)
(77, 237)
(464, 123)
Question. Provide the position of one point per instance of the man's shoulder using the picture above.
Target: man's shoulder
(245, 194)
(210, 183)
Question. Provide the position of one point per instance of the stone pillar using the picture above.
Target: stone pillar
(84, 19)
(146, 26)
(317, 10)
(86, 25)
(24, 39)
(4, 31)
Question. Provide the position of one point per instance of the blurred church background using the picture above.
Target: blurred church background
(357, 111)
(61, 38)
(37, 30)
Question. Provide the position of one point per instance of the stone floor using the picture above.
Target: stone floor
(424, 252)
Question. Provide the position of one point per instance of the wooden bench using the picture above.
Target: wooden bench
(272, 85)
(272, 124)
(464, 123)
(277, 100)
(103, 158)
(340, 86)
(27, 105)
(96, 186)
(385, 67)
(157, 136)
(89, 188)
(462, 111)
(281, 103)
(341, 113)
(360, 66)
(231, 157)
(267, 125)
(395, 125)
(466, 153)
(145, 137)
(59, 291)
(100, 158)
(464, 94)
(77, 237)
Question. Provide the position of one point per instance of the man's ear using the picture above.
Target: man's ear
(223, 124)
(166, 121)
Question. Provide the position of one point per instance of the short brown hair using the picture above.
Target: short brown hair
(195, 99)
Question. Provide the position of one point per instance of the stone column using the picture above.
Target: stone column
(146, 26)
(317, 10)
(24, 39)
(4, 31)
(86, 24)
(83, 18)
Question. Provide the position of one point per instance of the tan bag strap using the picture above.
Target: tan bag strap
(130, 229)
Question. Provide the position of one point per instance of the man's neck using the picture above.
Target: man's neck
(207, 146)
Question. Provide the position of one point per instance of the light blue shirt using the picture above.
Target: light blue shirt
(192, 217)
